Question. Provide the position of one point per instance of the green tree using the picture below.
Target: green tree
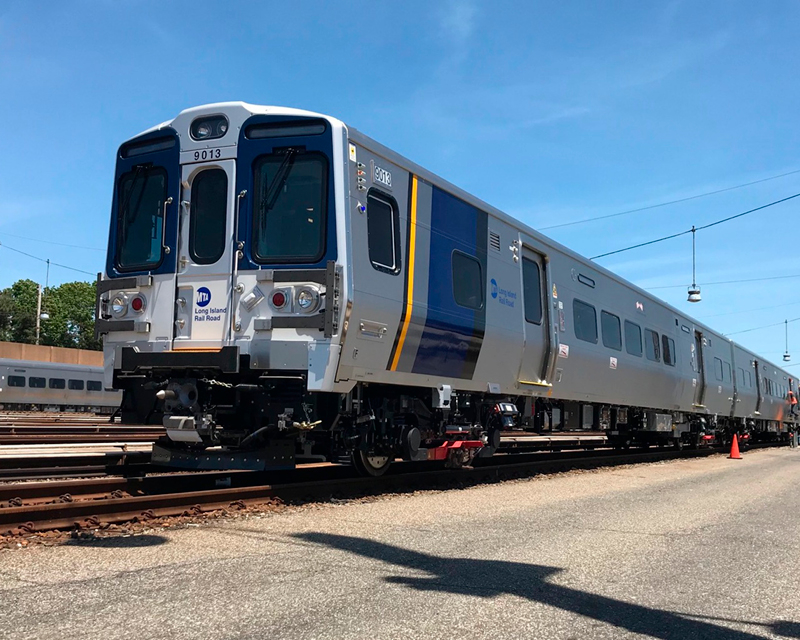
(71, 311)
(71, 307)
(6, 314)
(23, 322)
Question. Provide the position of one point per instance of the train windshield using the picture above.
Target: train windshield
(142, 193)
(290, 206)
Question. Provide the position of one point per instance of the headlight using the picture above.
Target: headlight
(307, 299)
(209, 128)
(119, 305)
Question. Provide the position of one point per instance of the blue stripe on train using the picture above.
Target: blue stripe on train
(453, 334)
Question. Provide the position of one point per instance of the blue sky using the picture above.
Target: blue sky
(551, 111)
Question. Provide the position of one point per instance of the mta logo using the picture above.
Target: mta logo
(203, 297)
(494, 287)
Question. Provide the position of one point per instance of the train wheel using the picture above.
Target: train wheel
(370, 463)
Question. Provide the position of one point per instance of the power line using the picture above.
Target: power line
(55, 264)
(733, 313)
(705, 226)
(708, 284)
(664, 204)
(60, 244)
(766, 326)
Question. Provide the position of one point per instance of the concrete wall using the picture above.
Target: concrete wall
(39, 353)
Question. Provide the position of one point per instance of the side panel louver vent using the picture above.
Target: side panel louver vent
(494, 240)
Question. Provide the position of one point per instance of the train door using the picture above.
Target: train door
(760, 399)
(204, 278)
(538, 327)
(700, 370)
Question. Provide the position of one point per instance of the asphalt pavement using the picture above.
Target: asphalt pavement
(704, 548)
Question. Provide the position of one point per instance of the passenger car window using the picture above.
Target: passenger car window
(669, 350)
(383, 233)
(467, 281)
(94, 385)
(718, 368)
(209, 215)
(727, 374)
(633, 338)
(612, 336)
(58, 383)
(75, 385)
(16, 381)
(37, 383)
(532, 285)
(585, 320)
(652, 348)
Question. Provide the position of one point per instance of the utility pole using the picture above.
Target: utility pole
(38, 311)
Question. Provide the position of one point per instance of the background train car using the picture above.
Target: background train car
(38, 383)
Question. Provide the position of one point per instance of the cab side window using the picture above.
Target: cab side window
(383, 233)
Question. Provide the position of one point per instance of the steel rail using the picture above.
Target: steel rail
(157, 496)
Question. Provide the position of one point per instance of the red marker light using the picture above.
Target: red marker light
(137, 304)
(278, 299)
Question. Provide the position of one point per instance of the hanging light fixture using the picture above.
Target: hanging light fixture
(694, 290)
(786, 356)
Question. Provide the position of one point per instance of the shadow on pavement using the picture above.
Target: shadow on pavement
(786, 628)
(118, 542)
(491, 578)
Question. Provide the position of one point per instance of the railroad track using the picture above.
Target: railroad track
(84, 433)
(41, 418)
(79, 504)
(57, 450)
(27, 462)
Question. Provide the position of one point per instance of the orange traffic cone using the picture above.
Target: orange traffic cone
(735, 455)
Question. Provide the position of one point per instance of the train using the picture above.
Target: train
(278, 286)
(30, 385)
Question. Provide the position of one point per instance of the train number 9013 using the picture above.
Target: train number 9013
(208, 154)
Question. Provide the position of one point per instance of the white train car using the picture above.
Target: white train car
(52, 386)
(278, 284)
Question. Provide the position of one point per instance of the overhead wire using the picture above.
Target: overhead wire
(705, 226)
(55, 264)
(59, 244)
(670, 202)
(766, 326)
(733, 313)
(708, 284)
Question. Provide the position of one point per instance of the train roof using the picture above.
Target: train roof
(400, 160)
(39, 364)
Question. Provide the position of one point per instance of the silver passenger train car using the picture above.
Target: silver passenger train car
(51, 386)
(279, 285)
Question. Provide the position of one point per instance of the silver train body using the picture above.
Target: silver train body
(51, 386)
(278, 282)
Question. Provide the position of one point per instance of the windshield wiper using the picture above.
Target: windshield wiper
(272, 192)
